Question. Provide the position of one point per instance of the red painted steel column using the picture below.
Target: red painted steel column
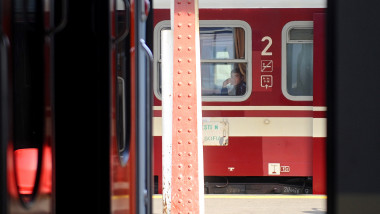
(185, 189)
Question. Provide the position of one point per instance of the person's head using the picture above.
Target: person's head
(236, 77)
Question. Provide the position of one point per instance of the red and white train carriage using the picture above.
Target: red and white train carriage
(276, 130)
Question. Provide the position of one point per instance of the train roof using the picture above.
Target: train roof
(165, 4)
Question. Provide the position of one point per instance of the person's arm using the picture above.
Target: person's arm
(224, 90)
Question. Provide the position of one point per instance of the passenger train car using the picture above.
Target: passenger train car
(268, 136)
(75, 106)
(76, 96)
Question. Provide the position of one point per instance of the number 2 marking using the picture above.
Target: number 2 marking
(264, 52)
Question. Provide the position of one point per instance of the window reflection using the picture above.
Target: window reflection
(299, 62)
(223, 53)
(300, 69)
(220, 49)
(28, 75)
(217, 43)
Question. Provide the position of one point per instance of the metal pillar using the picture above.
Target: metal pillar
(186, 177)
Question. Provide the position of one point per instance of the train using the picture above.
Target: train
(75, 115)
(268, 135)
(81, 101)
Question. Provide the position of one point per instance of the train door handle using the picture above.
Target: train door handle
(63, 21)
(148, 53)
(122, 36)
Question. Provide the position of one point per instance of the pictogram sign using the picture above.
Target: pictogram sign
(266, 81)
(266, 65)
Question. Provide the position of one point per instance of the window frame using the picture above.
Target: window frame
(210, 23)
(286, 40)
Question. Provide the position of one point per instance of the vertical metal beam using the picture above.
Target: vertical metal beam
(167, 110)
(187, 150)
(144, 108)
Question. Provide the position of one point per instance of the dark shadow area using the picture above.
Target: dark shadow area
(315, 211)
(353, 50)
(258, 185)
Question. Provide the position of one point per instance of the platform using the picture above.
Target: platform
(257, 204)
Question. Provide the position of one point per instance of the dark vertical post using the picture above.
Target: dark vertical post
(82, 99)
(353, 77)
(144, 138)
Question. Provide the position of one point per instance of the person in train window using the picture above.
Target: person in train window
(234, 85)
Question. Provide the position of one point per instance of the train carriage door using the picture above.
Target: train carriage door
(130, 108)
(122, 157)
(319, 106)
(27, 112)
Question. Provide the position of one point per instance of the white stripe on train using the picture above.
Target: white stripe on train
(265, 126)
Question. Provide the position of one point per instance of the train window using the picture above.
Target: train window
(225, 60)
(123, 88)
(297, 60)
(29, 101)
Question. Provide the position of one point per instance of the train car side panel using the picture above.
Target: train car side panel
(271, 134)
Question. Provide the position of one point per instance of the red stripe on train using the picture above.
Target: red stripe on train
(256, 113)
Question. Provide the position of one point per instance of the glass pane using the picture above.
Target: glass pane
(213, 77)
(299, 69)
(219, 43)
(221, 79)
(301, 34)
(122, 82)
(222, 43)
(28, 80)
